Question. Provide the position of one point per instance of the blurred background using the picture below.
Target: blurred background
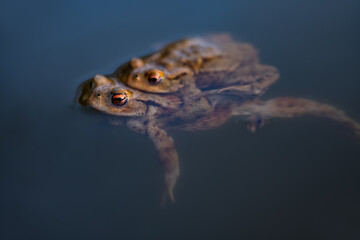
(68, 174)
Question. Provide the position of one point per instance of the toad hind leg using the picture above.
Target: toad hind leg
(167, 155)
(291, 107)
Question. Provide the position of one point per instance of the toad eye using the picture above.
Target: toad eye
(119, 99)
(136, 77)
(155, 77)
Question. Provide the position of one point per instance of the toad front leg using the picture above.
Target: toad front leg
(167, 155)
(259, 111)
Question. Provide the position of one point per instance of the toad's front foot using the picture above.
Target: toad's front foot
(167, 155)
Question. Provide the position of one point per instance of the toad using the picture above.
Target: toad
(153, 114)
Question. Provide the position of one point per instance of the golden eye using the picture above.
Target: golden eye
(119, 99)
(155, 77)
(136, 77)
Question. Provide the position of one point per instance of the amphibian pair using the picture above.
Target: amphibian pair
(194, 84)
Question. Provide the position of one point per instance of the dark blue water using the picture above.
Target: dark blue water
(68, 174)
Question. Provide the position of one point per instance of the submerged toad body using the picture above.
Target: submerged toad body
(197, 105)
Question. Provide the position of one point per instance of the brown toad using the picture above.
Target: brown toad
(211, 62)
(189, 66)
(152, 114)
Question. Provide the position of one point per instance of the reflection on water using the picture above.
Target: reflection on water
(69, 174)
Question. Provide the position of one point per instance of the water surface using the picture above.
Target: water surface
(63, 176)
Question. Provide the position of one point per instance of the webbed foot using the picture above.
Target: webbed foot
(288, 107)
(255, 122)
